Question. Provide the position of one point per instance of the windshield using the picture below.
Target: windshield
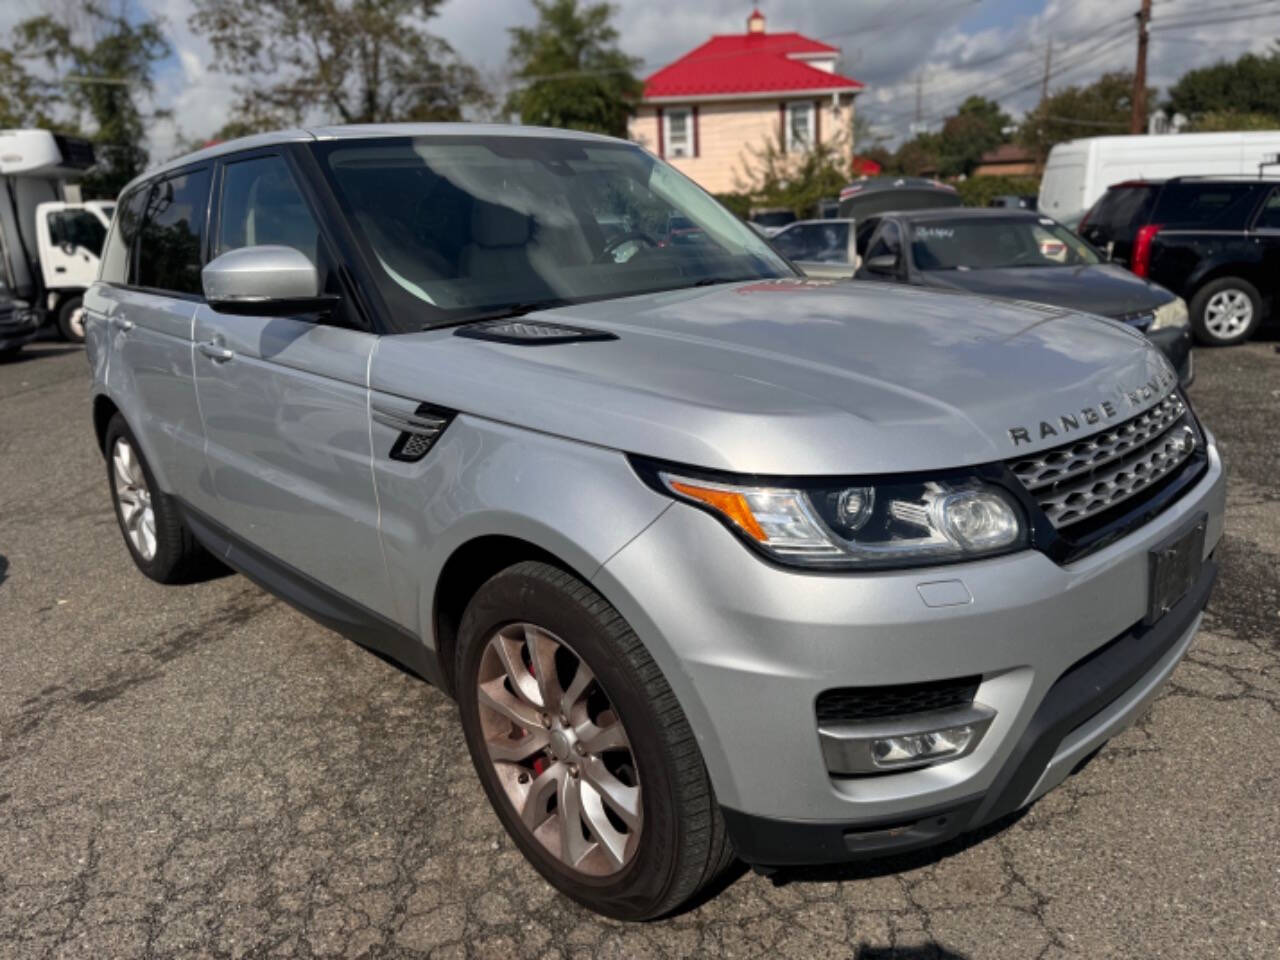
(456, 227)
(997, 243)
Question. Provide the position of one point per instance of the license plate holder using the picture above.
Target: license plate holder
(1175, 565)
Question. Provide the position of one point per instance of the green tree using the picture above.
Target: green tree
(978, 126)
(919, 156)
(1249, 85)
(105, 61)
(798, 181)
(1229, 121)
(1102, 107)
(23, 96)
(570, 72)
(349, 61)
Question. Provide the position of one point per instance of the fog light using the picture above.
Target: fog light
(893, 751)
(893, 744)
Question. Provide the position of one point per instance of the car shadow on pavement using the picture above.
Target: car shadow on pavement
(4, 568)
(26, 356)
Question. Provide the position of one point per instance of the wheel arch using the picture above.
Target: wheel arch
(104, 408)
(468, 567)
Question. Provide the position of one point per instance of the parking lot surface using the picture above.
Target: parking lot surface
(201, 771)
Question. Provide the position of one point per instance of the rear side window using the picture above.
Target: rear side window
(821, 242)
(1122, 210)
(169, 245)
(117, 260)
(261, 204)
(1221, 206)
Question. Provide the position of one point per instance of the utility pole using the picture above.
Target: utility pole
(1048, 70)
(1138, 121)
(919, 96)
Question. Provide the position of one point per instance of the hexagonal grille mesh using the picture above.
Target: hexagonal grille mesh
(851, 704)
(1082, 479)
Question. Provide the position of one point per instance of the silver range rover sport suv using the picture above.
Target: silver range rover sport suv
(717, 561)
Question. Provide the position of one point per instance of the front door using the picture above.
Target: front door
(1266, 233)
(286, 404)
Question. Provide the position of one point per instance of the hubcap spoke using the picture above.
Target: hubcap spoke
(611, 841)
(573, 844)
(534, 811)
(597, 740)
(542, 655)
(577, 687)
(522, 681)
(622, 800)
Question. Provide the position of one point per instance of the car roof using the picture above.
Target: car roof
(366, 131)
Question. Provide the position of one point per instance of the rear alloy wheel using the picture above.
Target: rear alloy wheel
(1225, 312)
(582, 748)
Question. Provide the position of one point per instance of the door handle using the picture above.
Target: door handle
(59, 269)
(216, 351)
(120, 323)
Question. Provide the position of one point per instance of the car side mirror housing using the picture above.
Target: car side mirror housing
(885, 264)
(267, 280)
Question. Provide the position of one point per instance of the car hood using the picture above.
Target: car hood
(1105, 289)
(796, 377)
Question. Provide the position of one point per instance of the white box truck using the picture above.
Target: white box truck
(50, 243)
(1078, 172)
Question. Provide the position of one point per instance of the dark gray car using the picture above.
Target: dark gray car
(1023, 256)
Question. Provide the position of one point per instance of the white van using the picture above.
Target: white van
(1079, 171)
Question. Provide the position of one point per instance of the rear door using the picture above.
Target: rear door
(286, 401)
(145, 308)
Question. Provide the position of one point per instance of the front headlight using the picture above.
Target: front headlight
(1172, 314)
(862, 526)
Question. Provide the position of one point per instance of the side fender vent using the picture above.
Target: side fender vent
(530, 333)
(419, 430)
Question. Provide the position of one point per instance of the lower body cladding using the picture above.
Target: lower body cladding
(844, 716)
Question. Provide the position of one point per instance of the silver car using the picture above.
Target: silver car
(717, 561)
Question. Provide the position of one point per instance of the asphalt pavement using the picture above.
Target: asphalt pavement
(202, 772)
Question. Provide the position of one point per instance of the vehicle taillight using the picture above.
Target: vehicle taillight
(1140, 262)
(1084, 221)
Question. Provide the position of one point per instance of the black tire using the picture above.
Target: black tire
(1200, 307)
(178, 557)
(9, 353)
(66, 315)
(683, 845)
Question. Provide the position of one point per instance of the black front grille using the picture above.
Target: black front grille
(852, 704)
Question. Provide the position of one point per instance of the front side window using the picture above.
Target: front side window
(118, 257)
(799, 126)
(679, 133)
(169, 244)
(262, 205)
(77, 228)
(996, 244)
(456, 227)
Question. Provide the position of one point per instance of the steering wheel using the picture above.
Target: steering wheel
(622, 238)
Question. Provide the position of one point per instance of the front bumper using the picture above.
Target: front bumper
(748, 647)
(18, 328)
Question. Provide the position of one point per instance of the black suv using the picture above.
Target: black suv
(1215, 241)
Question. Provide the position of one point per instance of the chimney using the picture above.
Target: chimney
(755, 22)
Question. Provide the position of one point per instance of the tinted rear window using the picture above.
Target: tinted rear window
(1122, 210)
(169, 247)
(1222, 206)
(118, 257)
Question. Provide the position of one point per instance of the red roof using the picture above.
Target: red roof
(743, 63)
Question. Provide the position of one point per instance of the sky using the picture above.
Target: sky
(945, 49)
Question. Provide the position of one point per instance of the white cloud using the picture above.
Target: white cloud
(958, 47)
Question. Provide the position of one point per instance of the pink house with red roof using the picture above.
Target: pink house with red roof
(704, 111)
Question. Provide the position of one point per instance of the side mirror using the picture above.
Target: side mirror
(268, 281)
(886, 264)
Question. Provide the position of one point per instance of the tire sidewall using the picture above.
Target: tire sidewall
(1200, 304)
(65, 311)
(642, 885)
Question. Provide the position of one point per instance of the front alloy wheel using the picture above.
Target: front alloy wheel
(559, 750)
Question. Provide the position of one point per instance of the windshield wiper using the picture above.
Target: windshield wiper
(504, 312)
(712, 281)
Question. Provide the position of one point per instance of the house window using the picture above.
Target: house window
(799, 126)
(679, 132)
